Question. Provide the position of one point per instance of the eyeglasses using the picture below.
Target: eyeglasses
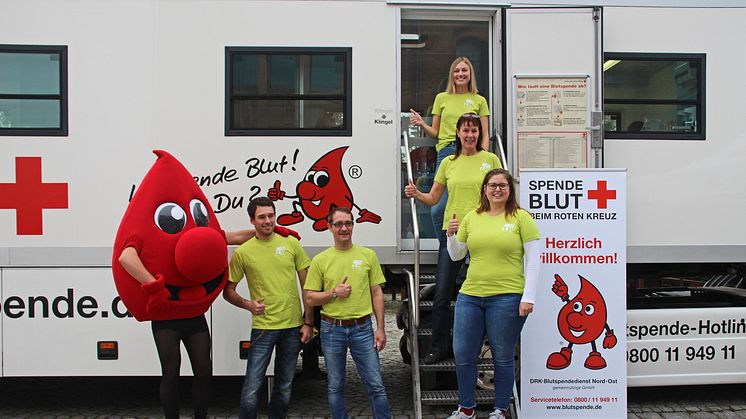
(493, 186)
(339, 224)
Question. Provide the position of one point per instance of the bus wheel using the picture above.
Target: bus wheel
(405, 349)
(485, 378)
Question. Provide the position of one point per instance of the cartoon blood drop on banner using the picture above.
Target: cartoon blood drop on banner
(580, 321)
(171, 225)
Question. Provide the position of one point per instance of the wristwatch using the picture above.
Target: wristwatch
(334, 294)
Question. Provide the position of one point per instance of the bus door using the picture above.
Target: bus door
(430, 41)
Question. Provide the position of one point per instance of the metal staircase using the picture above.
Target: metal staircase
(435, 384)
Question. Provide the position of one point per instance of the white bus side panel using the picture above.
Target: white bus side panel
(686, 200)
(53, 319)
(151, 74)
(685, 346)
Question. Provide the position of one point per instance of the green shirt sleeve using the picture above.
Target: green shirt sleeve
(236, 267)
(376, 273)
(314, 277)
(527, 226)
(302, 261)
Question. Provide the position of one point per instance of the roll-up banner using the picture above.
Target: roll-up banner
(573, 346)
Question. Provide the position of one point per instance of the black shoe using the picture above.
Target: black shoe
(433, 357)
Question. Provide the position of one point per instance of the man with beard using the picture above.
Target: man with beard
(270, 263)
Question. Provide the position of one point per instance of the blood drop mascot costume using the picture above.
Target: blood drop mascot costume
(169, 264)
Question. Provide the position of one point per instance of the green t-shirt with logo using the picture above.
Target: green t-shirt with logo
(270, 268)
(450, 107)
(363, 271)
(496, 248)
(463, 176)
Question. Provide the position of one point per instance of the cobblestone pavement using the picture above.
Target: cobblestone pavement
(137, 397)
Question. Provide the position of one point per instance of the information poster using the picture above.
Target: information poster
(551, 120)
(573, 346)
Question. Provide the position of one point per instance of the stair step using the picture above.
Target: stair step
(428, 305)
(445, 397)
(427, 279)
(450, 365)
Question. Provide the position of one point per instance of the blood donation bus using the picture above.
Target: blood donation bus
(307, 102)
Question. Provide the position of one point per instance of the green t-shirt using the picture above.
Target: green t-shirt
(363, 271)
(450, 107)
(496, 248)
(270, 268)
(463, 176)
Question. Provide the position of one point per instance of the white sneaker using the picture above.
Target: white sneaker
(498, 414)
(458, 414)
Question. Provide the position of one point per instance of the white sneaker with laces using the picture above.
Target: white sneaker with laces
(458, 414)
(498, 414)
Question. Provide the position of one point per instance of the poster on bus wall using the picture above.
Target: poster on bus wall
(551, 119)
(573, 346)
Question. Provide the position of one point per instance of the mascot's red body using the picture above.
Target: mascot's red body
(171, 225)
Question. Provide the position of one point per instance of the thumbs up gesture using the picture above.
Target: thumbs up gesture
(452, 225)
(343, 290)
(276, 193)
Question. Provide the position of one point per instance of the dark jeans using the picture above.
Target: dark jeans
(286, 344)
(445, 285)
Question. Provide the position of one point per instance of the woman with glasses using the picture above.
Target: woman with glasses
(461, 97)
(462, 174)
(498, 293)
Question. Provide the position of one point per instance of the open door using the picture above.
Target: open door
(552, 87)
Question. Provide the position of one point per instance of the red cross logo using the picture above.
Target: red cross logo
(601, 194)
(29, 196)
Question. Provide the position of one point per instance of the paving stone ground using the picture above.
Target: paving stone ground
(137, 397)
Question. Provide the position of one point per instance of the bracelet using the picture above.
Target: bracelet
(307, 324)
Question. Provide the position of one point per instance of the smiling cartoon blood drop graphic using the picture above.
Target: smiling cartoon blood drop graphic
(323, 187)
(174, 231)
(580, 321)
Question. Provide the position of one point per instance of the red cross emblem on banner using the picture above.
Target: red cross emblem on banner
(601, 194)
(29, 196)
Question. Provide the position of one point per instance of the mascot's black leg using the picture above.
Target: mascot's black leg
(198, 348)
(167, 342)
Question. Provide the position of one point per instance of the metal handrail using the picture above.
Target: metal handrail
(415, 296)
(414, 345)
(413, 285)
(501, 153)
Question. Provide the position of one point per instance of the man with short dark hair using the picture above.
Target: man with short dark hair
(345, 280)
(270, 262)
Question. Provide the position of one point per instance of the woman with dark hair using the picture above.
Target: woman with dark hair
(462, 174)
(498, 293)
(461, 97)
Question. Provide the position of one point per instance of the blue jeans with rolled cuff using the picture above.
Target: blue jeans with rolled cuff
(496, 317)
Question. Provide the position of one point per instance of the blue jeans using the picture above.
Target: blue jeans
(496, 315)
(359, 338)
(436, 211)
(445, 284)
(286, 343)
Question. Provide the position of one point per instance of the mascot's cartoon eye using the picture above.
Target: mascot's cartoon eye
(321, 178)
(589, 309)
(309, 176)
(170, 218)
(577, 306)
(199, 212)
